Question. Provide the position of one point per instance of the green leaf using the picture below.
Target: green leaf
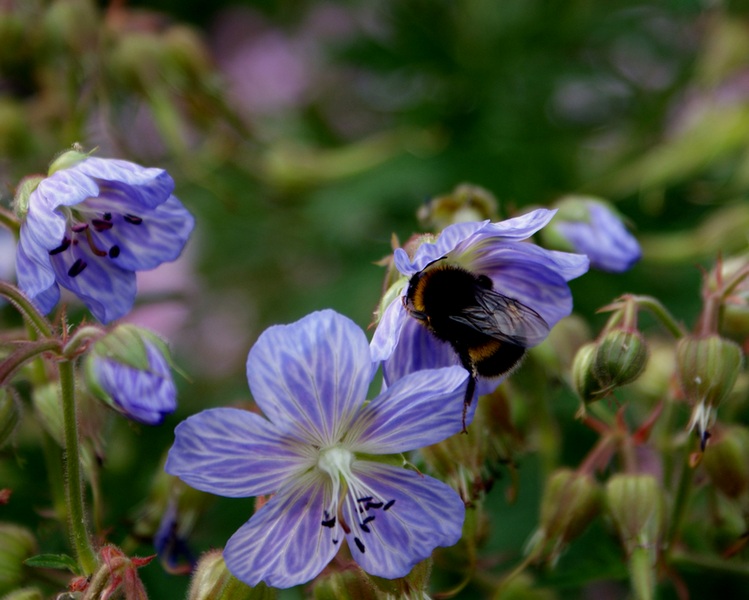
(53, 561)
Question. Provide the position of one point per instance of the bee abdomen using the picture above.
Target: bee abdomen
(494, 357)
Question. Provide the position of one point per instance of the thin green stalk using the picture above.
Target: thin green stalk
(681, 501)
(8, 219)
(26, 308)
(662, 314)
(76, 514)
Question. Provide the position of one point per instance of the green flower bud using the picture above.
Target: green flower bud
(570, 502)
(708, 367)
(620, 358)
(23, 193)
(71, 26)
(466, 202)
(583, 379)
(411, 587)
(636, 505)
(10, 414)
(727, 462)
(346, 585)
(16, 545)
(68, 159)
(211, 580)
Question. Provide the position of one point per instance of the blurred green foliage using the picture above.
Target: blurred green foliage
(643, 103)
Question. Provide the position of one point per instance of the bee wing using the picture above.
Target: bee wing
(505, 319)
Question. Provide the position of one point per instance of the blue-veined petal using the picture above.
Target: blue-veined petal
(520, 272)
(105, 289)
(284, 543)
(35, 275)
(516, 229)
(310, 377)
(235, 453)
(425, 514)
(388, 331)
(493, 257)
(451, 236)
(420, 409)
(147, 239)
(142, 186)
(417, 349)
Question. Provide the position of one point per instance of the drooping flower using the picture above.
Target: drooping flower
(590, 227)
(316, 452)
(532, 276)
(90, 225)
(128, 369)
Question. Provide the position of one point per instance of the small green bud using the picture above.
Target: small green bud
(570, 502)
(583, 379)
(466, 202)
(708, 367)
(620, 358)
(211, 580)
(411, 587)
(636, 505)
(16, 545)
(346, 585)
(727, 461)
(67, 159)
(10, 414)
(23, 194)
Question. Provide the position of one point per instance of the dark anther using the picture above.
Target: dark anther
(133, 220)
(364, 528)
(78, 227)
(359, 545)
(365, 499)
(369, 519)
(114, 251)
(77, 268)
(62, 247)
(101, 225)
(335, 541)
(388, 505)
(371, 505)
(328, 522)
(107, 216)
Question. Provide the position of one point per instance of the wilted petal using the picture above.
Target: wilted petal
(235, 453)
(310, 377)
(420, 409)
(422, 514)
(284, 543)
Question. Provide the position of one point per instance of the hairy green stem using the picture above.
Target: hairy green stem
(18, 299)
(76, 514)
(8, 219)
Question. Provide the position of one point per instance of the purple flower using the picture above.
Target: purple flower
(129, 370)
(595, 230)
(534, 277)
(316, 452)
(90, 226)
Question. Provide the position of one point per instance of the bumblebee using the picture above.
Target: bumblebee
(488, 330)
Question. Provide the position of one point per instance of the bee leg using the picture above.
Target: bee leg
(470, 390)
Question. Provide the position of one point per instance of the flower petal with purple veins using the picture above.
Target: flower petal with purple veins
(421, 514)
(90, 225)
(213, 449)
(284, 544)
(303, 382)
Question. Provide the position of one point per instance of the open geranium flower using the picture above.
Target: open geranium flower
(495, 256)
(90, 225)
(317, 452)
